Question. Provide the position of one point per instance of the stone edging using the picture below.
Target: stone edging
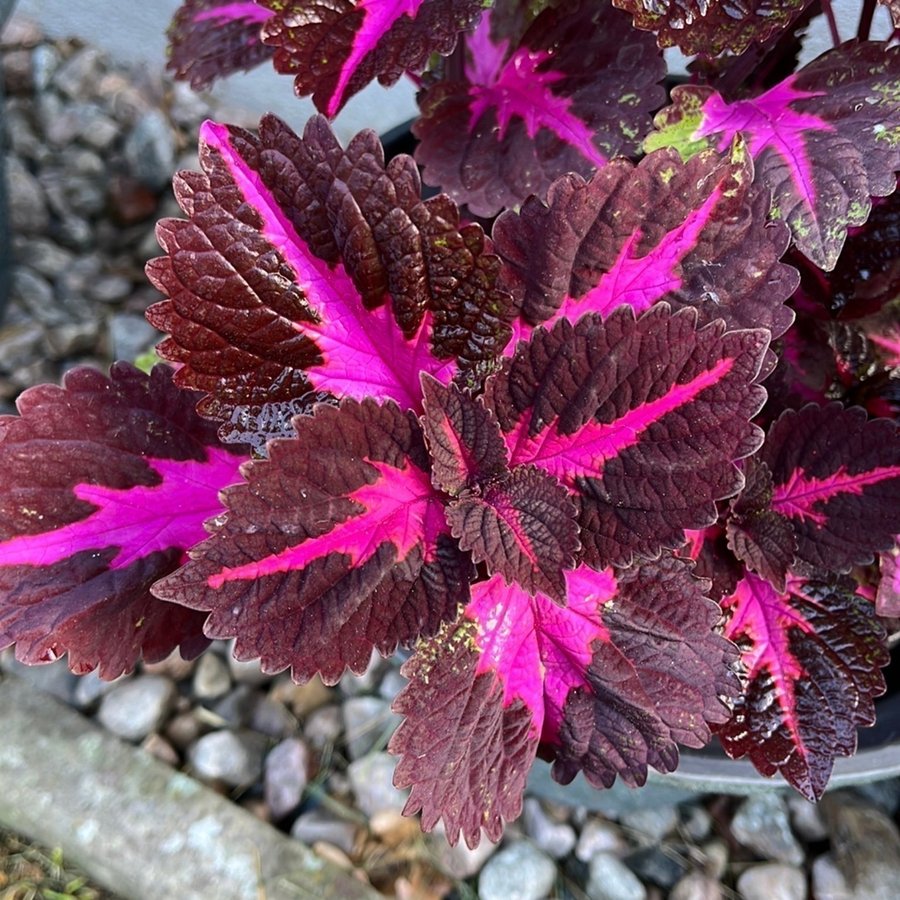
(135, 825)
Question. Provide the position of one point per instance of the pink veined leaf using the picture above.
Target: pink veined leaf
(825, 140)
(523, 527)
(835, 481)
(609, 683)
(661, 231)
(107, 484)
(334, 48)
(336, 545)
(527, 106)
(887, 599)
(520, 523)
(813, 655)
(758, 535)
(212, 38)
(305, 270)
(866, 278)
(467, 450)
(701, 27)
(642, 420)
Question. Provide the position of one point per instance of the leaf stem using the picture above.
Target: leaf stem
(865, 19)
(832, 22)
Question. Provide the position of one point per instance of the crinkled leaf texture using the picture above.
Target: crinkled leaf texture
(894, 7)
(212, 38)
(641, 419)
(335, 546)
(825, 140)
(689, 234)
(832, 493)
(710, 28)
(813, 655)
(528, 105)
(334, 48)
(520, 523)
(307, 270)
(610, 683)
(107, 483)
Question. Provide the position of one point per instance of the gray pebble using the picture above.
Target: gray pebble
(286, 775)
(761, 823)
(610, 879)
(518, 872)
(246, 671)
(211, 678)
(150, 150)
(556, 839)
(599, 836)
(806, 818)
(696, 822)
(137, 707)
(321, 825)
(271, 718)
(368, 722)
(34, 295)
(828, 882)
(458, 861)
(324, 726)
(45, 257)
(391, 684)
(90, 688)
(371, 779)
(77, 76)
(45, 61)
(19, 344)
(650, 825)
(28, 211)
(696, 887)
(772, 881)
(234, 758)
(109, 288)
(352, 685)
(131, 336)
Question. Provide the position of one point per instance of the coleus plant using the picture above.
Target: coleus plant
(619, 469)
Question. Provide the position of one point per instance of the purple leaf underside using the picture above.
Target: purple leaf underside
(661, 231)
(701, 27)
(623, 671)
(642, 420)
(305, 270)
(108, 484)
(825, 140)
(528, 107)
(812, 656)
(334, 48)
(336, 545)
(209, 39)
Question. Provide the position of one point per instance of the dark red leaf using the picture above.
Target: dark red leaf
(702, 27)
(836, 481)
(825, 140)
(690, 234)
(759, 536)
(523, 527)
(212, 38)
(107, 483)
(336, 545)
(465, 751)
(527, 105)
(812, 656)
(642, 420)
(467, 450)
(659, 676)
(305, 268)
(334, 48)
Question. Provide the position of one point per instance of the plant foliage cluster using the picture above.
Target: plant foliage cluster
(604, 433)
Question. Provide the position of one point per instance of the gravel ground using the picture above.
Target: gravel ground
(93, 147)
